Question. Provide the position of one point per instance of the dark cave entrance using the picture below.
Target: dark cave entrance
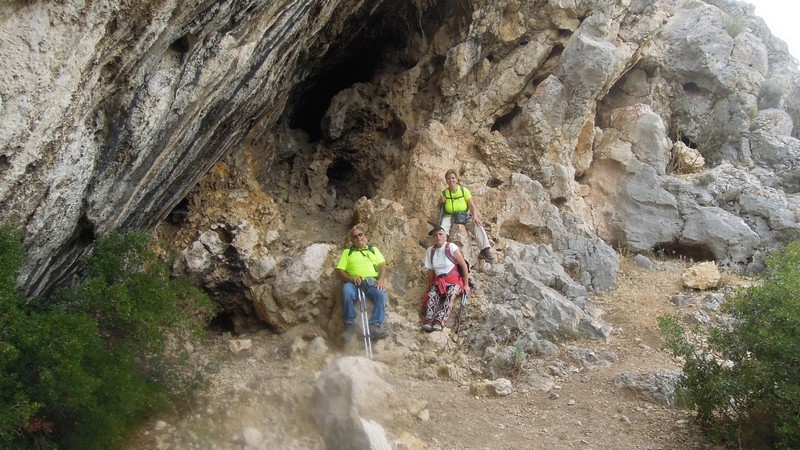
(345, 178)
(369, 44)
(692, 252)
(364, 47)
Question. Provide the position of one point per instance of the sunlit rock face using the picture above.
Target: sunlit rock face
(276, 125)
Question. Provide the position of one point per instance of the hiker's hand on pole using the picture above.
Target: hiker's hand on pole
(357, 281)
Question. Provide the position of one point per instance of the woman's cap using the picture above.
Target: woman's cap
(434, 230)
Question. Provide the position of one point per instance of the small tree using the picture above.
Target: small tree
(84, 367)
(16, 407)
(743, 380)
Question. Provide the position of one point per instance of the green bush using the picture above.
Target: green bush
(82, 368)
(743, 380)
(15, 405)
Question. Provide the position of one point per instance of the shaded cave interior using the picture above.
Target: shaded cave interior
(390, 41)
(683, 250)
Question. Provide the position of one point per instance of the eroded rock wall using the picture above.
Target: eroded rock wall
(579, 126)
(111, 111)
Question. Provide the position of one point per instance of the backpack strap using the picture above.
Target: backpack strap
(353, 248)
(452, 197)
(447, 253)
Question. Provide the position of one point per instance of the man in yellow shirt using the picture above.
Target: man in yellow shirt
(362, 266)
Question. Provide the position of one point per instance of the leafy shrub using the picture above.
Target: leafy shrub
(15, 405)
(743, 380)
(84, 367)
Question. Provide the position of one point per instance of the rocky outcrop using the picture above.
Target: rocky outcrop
(112, 111)
(263, 131)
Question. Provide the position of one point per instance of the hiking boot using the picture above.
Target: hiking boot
(486, 255)
(426, 327)
(437, 326)
(377, 332)
(349, 331)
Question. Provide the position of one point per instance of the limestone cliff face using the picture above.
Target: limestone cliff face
(111, 111)
(272, 126)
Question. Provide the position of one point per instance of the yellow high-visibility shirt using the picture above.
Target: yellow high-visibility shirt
(361, 262)
(456, 203)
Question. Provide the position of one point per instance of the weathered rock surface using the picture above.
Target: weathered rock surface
(659, 387)
(263, 131)
(349, 396)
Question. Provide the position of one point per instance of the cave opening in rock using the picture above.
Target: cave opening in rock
(689, 143)
(356, 66)
(344, 179)
(692, 252)
(355, 58)
(692, 89)
(505, 120)
(222, 323)
(179, 213)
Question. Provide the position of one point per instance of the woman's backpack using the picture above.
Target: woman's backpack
(450, 257)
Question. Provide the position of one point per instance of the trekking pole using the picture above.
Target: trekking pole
(461, 310)
(441, 216)
(362, 301)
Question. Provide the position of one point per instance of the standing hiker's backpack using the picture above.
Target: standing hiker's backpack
(450, 257)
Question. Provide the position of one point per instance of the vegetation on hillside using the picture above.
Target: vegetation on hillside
(81, 368)
(743, 379)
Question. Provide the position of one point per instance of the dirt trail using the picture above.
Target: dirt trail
(268, 388)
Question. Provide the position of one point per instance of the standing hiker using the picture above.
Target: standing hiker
(362, 266)
(448, 276)
(459, 208)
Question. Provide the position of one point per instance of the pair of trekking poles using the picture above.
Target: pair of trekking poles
(362, 301)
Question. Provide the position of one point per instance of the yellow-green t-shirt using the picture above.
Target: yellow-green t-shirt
(456, 202)
(361, 262)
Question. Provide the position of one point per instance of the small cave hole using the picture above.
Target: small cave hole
(183, 44)
(505, 120)
(494, 182)
(679, 250)
(396, 129)
(222, 323)
(112, 26)
(347, 181)
(179, 213)
(340, 172)
(688, 142)
(691, 88)
(86, 230)
(555, 52)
